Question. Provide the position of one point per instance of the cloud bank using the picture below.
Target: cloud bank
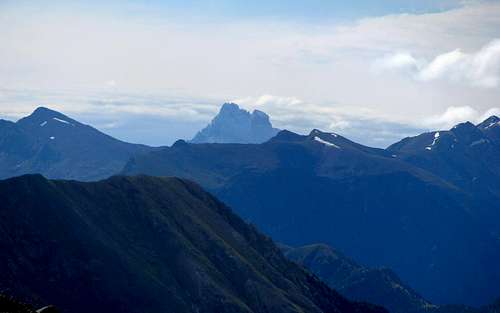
(480, 68)
(390, 75)
(455, 115)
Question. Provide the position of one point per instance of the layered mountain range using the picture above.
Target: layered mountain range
(467, 156)
(144, 244)
(57, 146)
(377, 285)
(427, 207)
(382, 207)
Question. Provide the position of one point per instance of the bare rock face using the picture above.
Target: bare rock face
(235, 125)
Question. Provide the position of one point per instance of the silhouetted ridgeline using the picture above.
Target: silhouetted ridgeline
(143, 244)
(436, 227)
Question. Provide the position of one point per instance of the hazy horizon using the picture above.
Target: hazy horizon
(156, 71)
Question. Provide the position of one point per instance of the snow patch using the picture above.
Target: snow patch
(62, 121)
(436, 137)
(43, 124)
(327, 143)
(492, 124)
(52, 137)
(43, 309)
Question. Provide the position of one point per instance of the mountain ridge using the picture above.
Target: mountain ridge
(57, 146)
(467, 156)
(376, 285)
(371, 204)
(136, 244)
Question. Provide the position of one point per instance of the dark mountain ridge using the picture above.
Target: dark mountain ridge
(370, 203)
(428, 197)
(9, 304)
(491, 127)
(377, 285)
(467, 156)
(143, 244)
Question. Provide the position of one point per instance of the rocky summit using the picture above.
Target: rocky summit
(235, 125)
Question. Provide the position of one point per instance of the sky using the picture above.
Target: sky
(155, 71)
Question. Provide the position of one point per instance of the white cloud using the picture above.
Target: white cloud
(339, 124)
(298, 115)
(301, 116)
(490, 112)
(454, 115)
(322, 72)
(480, 68)
(111, 83)
(275, 100)
(400, 60)
(115, 113)
(444, 64)
(18, 103)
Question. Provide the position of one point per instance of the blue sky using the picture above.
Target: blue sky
(312, 10)
(156, 71)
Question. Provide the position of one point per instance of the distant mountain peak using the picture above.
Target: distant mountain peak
(42, 110)
(491, 121)
(465, 135)
(229, 106)
(286, 135)
(258, 115)
(235, 125)
(464, 125)
(41, 116)
(492, 118)
(467, 132)
(46, 112)
(180, 143)
(491, 128)
(316, 132)
(323, 135)
(57, 146)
